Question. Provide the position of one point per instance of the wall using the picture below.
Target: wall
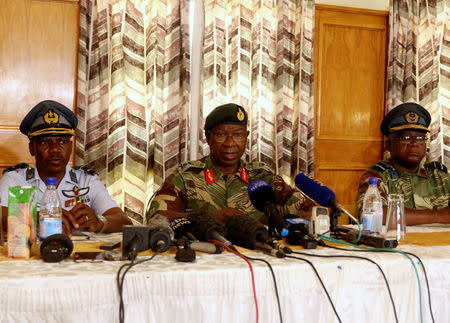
(38, 61)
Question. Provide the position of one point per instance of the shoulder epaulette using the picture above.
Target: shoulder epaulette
(436, 165)
(191, 164)
(260, 165)
(18, 166)
(382, 166)
(86, 170)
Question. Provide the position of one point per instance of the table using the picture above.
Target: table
(217, 288)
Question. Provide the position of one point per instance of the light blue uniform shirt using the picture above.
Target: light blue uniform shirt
(86, 188)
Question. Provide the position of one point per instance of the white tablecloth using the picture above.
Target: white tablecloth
(217, 288)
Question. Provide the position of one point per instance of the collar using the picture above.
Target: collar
(212, 172)
(421, 171)
(69, 176)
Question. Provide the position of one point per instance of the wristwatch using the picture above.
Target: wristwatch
(103, 220)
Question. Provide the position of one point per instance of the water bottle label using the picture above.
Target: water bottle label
(47, 228)
(367, 221)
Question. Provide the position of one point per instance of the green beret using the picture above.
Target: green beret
(49, 118)
(229, 113)
(406, 116)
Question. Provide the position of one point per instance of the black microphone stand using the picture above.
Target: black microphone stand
(335, 231)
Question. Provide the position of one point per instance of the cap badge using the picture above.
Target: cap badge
(240, 115)
(412, 117)
(51, 117)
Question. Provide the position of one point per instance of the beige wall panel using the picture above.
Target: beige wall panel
(350, 73)
(38, 61)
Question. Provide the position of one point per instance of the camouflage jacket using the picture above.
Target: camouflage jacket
(197, 184)
(429, 188)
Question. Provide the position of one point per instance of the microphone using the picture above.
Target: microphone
(56, 247)
(279, 245)
(207, 247)
(249, 233)
(321, 195)
(263, 199)
(205, 227)
(160, 233)
(134, 239)
(182, 228)
(299, 235)
(371, 239)
(316, 190)
(185, 254)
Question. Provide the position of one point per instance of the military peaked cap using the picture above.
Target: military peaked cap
(49, 118)
(406, 116)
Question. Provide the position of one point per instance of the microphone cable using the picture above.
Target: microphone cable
(120, 280)
(237, 253)
(357, 257)
(321, 282)
(274, 283)
(420, 262)
(385, 250)
(251, 271)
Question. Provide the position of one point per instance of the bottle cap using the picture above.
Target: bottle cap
(51, 181)
(373, 181)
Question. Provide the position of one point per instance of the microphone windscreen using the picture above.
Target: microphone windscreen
(160, 233)
(185, 254)
(160, 222)
(260, 194)
(244, 231)
(204, 223)
(180, 227)
(314, 189)
(56, 247)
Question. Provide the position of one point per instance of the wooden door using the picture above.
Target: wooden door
(350, 68)
(38, 61)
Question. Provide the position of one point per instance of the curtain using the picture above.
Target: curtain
(419, 65)
(259, 54)
(134, 102)
(133, 95)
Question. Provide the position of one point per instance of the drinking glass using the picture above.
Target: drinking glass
(395, 226)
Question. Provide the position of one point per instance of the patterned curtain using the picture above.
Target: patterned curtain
(260, 54)
(419, 65)
(133, 99)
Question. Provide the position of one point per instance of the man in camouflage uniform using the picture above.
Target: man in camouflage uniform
(425, 186)
(219, 181)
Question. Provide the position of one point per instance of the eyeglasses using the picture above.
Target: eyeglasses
(238, 137)
(408, 139)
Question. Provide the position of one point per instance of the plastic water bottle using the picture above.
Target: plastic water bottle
(50, 214)
(372, 214)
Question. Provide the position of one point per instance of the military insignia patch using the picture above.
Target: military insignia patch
(244, 175)
(78, 195)
(51, 117)
(240, 115)
(209, 175)
(412, 117)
